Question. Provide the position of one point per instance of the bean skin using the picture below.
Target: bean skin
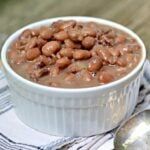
(105, 77)
(95, 64)
(88, 42)
(87, 31)
(32, 43)
(67, 24)
(68, 52)
(51, 48)
(61, 36)
(45, 33)
(32, 53)
(40, 42)
(63, 62)
(104, 54)
(81, 54)
(69, 43)
(75, 35)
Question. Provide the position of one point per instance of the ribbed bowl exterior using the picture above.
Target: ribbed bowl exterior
(79, 114)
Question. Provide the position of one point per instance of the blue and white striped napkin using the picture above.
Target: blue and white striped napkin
(14, 135)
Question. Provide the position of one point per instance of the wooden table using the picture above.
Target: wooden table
(134, 14)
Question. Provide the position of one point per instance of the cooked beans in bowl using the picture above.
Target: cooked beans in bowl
(71, 54)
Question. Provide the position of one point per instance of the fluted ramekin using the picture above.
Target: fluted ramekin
(73, 112)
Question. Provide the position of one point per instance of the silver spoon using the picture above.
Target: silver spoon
(135, 133)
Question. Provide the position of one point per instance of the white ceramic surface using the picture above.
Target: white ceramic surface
(73, 112)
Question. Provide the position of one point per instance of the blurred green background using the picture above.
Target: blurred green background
(131, 13)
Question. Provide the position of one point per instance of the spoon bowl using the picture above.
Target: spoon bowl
(135, 133)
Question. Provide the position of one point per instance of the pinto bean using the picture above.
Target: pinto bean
(67, 24)
(69, 43)
(105, 77)
(68, 52)
(32, 53)
(95, 64)
(81, 54)
(61, 36)
(46, 33)
(75, 35)
(88, 42)
(87, 31)
(63, 62)
(31, 44)
(40, 42)
(51, 48)
(104, 54)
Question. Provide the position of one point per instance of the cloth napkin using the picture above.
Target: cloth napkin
(14, 135)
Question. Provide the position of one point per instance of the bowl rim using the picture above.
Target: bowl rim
(45, 22)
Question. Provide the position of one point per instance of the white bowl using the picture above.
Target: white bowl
(73, 112)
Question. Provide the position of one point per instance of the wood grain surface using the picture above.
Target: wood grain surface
(135, 14)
